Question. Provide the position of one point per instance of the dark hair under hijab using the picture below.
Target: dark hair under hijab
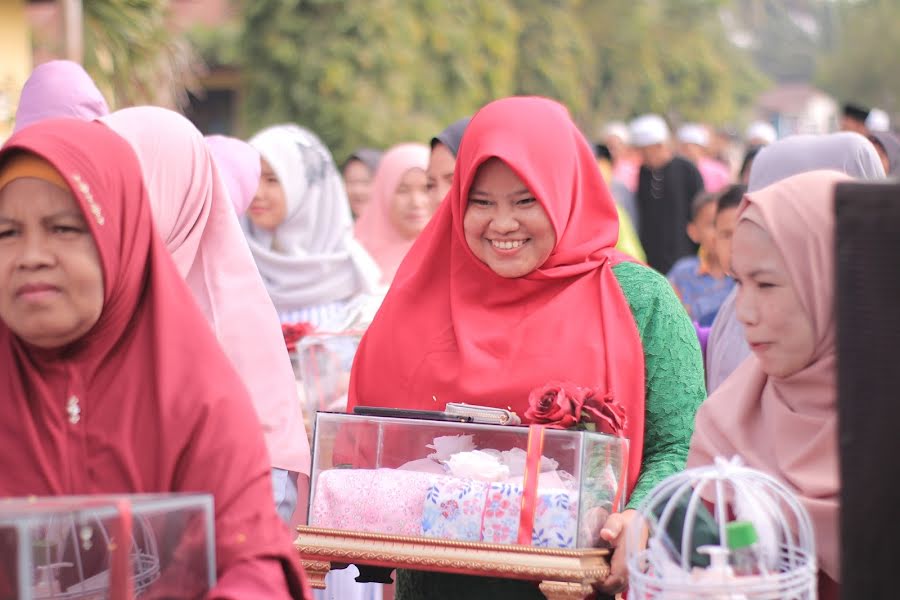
(751, 153)
(367, 156)
(730, 197)
(452, 136)
(890, 144)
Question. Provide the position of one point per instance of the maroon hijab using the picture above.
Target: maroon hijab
(161, 407)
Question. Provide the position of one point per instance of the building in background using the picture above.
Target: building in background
(798, 108)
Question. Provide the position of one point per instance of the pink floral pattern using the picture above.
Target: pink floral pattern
(411, 503)
(490, 513)
(377, 501)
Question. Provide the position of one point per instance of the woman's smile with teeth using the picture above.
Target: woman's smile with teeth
(507, 244)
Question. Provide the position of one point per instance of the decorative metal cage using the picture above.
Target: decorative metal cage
(71, 557)
(680, 544)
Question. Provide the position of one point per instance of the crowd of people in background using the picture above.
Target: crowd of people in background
(183, 260)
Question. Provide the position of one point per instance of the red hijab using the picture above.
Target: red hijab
(161, 408)
(451, 329)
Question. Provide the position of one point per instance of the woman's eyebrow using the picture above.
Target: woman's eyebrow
(520, 192)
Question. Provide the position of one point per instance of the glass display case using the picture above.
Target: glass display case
(107, 547)
(463, 481)
(322, 365)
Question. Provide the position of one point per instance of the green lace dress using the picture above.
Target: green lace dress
(675, 389)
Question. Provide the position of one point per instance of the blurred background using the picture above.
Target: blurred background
(374, 72)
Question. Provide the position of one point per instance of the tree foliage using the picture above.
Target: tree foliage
(864, 64)
(375, 72)
(133, 53)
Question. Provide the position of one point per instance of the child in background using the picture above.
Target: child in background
(726, 219)
(701, 281)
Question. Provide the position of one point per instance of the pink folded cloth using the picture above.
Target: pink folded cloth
(386, 501)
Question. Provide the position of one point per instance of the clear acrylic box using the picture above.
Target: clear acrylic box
(323, 362)
(464, 481)
(107, 547)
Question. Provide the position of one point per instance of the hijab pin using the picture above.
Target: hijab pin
(434, 398)
(85, 190)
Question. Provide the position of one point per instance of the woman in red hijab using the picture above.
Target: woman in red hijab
(110, 379)
(516, 283)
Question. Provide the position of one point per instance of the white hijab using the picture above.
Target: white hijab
(312, 258)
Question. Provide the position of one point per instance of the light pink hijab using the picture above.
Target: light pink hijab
(374, 229)
(198, 224)
(787, 426)
(239, 166)
(59, 88)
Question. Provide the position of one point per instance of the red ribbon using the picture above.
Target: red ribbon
(530, 485)
(120, 576)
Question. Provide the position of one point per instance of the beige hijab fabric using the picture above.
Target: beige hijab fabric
(197, 221)
(787, 426)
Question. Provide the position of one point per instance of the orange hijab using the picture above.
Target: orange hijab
(787, 426)
(452, 330)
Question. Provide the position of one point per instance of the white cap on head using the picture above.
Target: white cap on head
(762, 132)
(648, 130)
(617, 129)
(878, 121)
(693, 133)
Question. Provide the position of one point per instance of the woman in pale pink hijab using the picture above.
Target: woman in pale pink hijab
(59, 88)
(239, 166)
(400, 207)
(198, 224)
(778, 409)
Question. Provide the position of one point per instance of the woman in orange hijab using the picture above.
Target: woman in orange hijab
(778, 409)
(515, 283)
(111, 380)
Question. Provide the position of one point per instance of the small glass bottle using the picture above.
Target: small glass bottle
(741, 539)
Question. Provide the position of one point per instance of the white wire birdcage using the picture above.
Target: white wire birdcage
(72, 558)
(686, 556)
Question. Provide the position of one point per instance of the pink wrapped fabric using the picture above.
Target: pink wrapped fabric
(374, 229)
(378, 501)
(476, 511)
(201, 231)
(400, 502)
(239, 166)
(59, 88)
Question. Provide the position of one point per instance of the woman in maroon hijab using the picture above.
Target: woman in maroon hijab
(110, 379)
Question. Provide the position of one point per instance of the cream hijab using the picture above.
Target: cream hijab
(312, 258)
(787, 426)
(196, 220)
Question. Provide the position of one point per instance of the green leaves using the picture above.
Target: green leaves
(377, 72)
(863, 65)
(133, 54)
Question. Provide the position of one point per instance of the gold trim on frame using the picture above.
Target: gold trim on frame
(562, 574)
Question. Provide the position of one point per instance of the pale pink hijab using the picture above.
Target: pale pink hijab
(59, 88)
(787, 426)
(374, 229)
(198, 224)
(239, 166)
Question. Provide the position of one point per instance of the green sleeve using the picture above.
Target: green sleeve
(674, 374)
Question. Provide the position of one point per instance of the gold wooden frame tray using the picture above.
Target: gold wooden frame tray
(562, 574)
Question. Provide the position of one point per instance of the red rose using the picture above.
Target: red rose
(606, 413)
(294, 332)
(557, 405)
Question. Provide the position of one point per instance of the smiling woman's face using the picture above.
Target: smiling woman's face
(51, 278)
(505, 225)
